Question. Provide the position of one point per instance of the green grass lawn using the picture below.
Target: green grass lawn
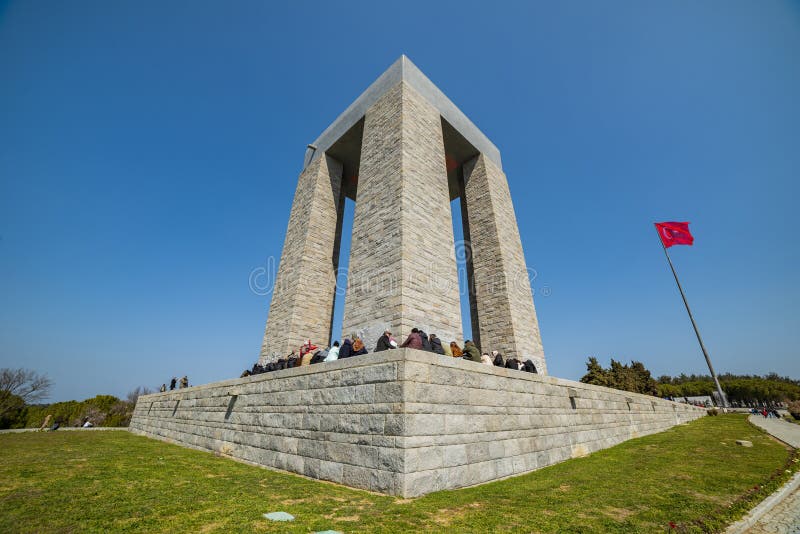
(693, 475)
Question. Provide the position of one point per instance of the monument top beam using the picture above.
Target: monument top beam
(402, 70)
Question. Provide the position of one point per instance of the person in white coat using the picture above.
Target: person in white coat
(333, 354)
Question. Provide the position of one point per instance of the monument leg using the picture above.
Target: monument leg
(504, 301)
(402, 259)
(302, 299)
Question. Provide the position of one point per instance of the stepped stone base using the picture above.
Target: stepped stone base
(403, 422)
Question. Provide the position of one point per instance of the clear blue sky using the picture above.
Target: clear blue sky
(149, 153)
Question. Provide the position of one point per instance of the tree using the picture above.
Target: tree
(634, 377)
(644, 381)
(15, 414)
(134, 395)
(595, 374)
(794, 409)
(741, 390)
(23, 384)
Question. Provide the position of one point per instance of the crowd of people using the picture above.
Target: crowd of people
(184, 383)
(767, 413)
(310, 354)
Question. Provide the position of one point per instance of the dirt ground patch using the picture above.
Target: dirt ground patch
(445, 516)
(620, 514)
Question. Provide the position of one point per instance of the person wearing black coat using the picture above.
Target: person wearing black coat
(498, 359)
(529, 367)
(347, 349)
(436, 344)
(426, 343)
(383, 342)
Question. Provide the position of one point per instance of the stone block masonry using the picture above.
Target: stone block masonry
(506, 317)
(308, 264)
(402, 259)
(408, 152)
(403, 422)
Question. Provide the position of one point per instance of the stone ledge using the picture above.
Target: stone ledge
(390, 423)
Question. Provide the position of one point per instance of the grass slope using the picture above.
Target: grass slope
(115, 481)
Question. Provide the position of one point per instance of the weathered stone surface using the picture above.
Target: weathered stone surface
(388, 422)
(308, 264)
(504, 302)
(402, 271)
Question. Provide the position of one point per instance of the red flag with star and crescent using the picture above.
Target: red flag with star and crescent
(674, 233)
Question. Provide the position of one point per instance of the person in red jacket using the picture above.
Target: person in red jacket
(413, 341)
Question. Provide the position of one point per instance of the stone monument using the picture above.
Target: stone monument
(403, 151)
(403, 422)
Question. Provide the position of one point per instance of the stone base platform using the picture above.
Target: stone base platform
(403, 422)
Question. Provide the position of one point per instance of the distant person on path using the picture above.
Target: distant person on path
(163, 388)
(471, 352)
(46, 422)
(333, 353)
(455, 350)
(184, 382)
(384, 342)
(173, 383)
(413, 341)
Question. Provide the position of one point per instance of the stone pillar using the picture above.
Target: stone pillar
(506, 316)
(402, 271)
(302, 299)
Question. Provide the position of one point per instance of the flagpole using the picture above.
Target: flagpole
(696, 331)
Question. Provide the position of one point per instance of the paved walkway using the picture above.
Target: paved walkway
(780, 512)
(784, 431)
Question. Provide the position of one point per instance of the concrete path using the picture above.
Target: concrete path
(780, 512)
(783, 430)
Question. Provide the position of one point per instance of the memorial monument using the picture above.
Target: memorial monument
(403, 422)
(403, 151)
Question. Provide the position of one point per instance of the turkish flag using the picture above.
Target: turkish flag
(674, 233)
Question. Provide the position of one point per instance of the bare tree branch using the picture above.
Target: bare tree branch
(133, 396)
(24, 384)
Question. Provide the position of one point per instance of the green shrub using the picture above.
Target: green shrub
(794, 409)
(102, 410)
